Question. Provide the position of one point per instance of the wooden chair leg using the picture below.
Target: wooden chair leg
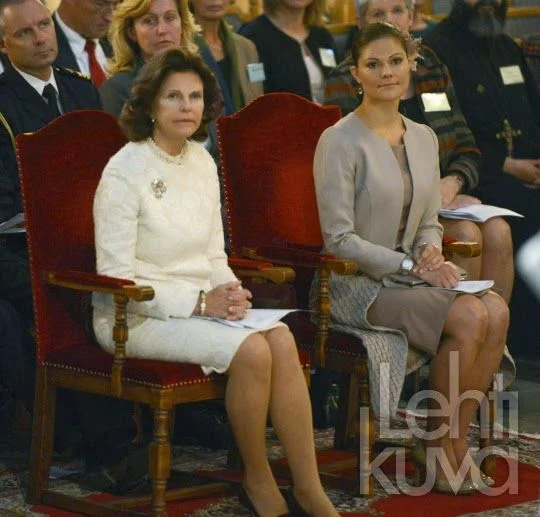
(344, 409)
(366, 431)
(487, 428)
(42, 437)
(159, 463)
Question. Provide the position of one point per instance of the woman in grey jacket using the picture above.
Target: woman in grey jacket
(377, 183)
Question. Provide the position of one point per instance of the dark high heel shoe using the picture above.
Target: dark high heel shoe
(245, 501)
(293, 504)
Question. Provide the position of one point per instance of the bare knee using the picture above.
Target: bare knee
(498, 312)
(497, 237)
(253, 357)
(463, 230)
(283, 347)
(467, 320)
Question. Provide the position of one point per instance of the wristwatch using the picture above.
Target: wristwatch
(406, 265)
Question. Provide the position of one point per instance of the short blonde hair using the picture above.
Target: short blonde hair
(362, 5)
(125, 50)
(312, 16)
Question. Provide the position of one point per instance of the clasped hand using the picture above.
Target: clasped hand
(525, 170)
(228, 301)
(431, 267)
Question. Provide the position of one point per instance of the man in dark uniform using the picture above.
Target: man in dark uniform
(32, 94)
(501, 104)
(81, 30)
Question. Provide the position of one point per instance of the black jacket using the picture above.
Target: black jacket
(25, 110)
(66, 58)
(485, 101)
(282, 55)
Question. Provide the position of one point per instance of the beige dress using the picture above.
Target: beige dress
(419, 313)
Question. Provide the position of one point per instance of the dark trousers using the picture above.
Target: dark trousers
(503, 190)
(97, 420)
(17, 351)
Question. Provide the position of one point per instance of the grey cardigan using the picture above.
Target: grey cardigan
(360, 194)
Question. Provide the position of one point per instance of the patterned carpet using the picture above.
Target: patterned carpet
(13, 475)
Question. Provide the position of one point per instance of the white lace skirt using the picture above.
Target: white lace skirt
(188, 340)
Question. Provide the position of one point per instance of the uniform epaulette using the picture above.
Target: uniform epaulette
(73, 73)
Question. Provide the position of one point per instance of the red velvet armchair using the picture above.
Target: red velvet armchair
(60, 167)
(267, 154)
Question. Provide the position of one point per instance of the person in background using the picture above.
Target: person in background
(431, 99)
(377, 184)
(32, 94)
(421, 24)
(140, 29)
(17, 370)
(297, 53)
(163, 174)
(501, 103)
(232, 58)
(81, 29)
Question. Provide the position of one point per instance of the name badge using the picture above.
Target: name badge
(511, 75)
(327, 57)
(256, 72)
(435, 102)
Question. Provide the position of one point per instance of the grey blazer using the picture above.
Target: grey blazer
(360, 194)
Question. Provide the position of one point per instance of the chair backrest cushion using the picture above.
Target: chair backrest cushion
(60, 166)
(266, 152)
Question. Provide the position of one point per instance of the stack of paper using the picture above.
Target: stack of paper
(256, 318)
(477, 213)
(13, 225)
(473, 286)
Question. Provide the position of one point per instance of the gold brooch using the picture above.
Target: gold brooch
(159, 187)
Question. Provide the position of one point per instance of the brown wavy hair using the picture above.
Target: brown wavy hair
(136, 120)
(373, 32)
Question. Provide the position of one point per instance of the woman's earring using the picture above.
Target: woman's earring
(360, 90)
(153, 120)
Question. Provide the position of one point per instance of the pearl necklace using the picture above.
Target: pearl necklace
(165, 156)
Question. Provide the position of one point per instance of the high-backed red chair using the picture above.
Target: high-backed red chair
(267, 152)
(60, 167)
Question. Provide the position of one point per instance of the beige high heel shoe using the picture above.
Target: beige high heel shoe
(443, 486)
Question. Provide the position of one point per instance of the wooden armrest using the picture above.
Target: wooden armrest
(301, 258)
(80, 281)
(257, 269)
(236, 262)
(461, 248)
(123, 290)
(276, 275)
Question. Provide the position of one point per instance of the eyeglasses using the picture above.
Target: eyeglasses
(104, 6)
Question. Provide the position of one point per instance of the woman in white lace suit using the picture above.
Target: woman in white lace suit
(157, 221)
